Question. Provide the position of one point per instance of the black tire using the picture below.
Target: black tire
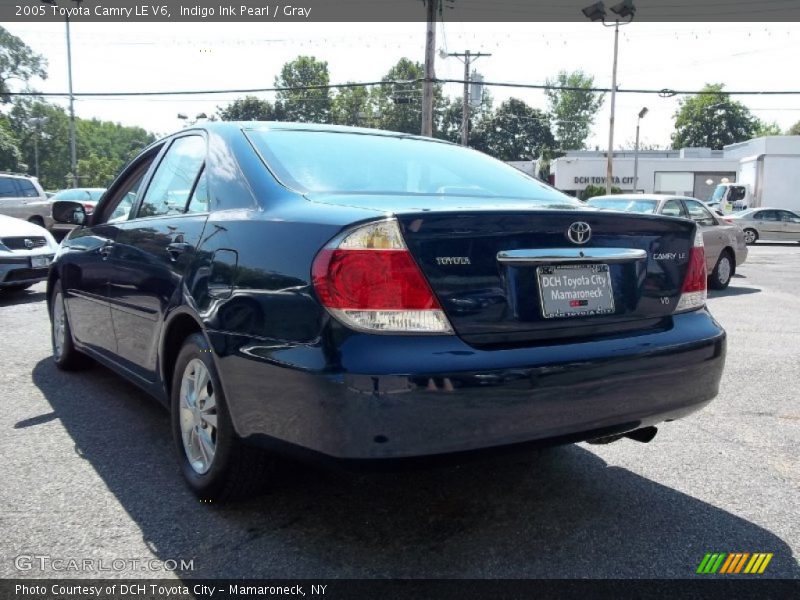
(16, 288)
(752, 234)
(37, 221)
(721, 276)
(68, 358)
(236, 470)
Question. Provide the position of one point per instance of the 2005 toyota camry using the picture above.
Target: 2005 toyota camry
(369, 295)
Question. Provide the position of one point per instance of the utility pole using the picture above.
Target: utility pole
(73, 153)
(610, 159)
(467, 57)
(427, 83)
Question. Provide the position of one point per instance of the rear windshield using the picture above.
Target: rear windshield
(352, 163)
(636, 206)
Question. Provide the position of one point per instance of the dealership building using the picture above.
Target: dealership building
(688, 172)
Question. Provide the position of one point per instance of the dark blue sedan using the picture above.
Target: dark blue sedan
(361, 294)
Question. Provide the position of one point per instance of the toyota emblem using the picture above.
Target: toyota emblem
(28, 243)
(579, 232)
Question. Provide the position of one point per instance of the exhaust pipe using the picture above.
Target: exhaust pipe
(644, 435)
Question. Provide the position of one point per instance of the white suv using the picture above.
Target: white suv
(22, 197)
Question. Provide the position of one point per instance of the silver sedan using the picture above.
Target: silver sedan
(768, 224)
(724, 241)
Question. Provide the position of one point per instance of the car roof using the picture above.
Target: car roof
(16, 175)
(294, 126)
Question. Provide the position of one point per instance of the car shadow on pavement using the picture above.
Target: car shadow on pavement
(732, 290)
(22, 297)
(559, 512)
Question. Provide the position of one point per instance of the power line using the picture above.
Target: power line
(664, 92)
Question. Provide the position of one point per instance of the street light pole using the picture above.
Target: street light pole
(597, 12)
(73, 151)
(642, 113)
(37, 132)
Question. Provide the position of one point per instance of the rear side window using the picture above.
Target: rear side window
(699, 213)
(766, 215)
(173, 181)
(27, 188)
(672, 208)
(8, 188)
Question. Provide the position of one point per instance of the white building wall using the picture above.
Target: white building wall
(574, 174)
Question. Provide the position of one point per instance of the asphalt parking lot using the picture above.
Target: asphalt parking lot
(88, 471)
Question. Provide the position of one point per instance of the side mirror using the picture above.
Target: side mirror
(67, 211)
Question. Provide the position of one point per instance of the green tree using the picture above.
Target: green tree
(249, 108)
(794, 129)
(516, 131)
(304, 105)
(451, 116)
(712, 120)
(399, 105)
(9, 151)
(573, 110)
(96, 171)
(106, 140)
(764, 129)
(353, 106)
(52, 138)
(17, 61)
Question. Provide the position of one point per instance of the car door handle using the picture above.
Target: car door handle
(175, 249)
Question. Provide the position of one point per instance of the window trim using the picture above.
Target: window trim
(124, 177)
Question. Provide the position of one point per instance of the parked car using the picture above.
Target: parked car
(358, 294)
(23, 198)
(89, 197)
(26, 251)
(725, 247)
(769, 224)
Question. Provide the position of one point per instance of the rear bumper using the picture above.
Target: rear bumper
(395, 397)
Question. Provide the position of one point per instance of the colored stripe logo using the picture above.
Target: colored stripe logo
(733, 563)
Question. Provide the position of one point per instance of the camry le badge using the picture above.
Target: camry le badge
(579, 232)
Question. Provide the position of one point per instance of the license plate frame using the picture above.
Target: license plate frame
(39, 262)
(590, 284)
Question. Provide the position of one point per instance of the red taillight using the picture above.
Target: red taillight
(369, 281)
(696, 276)
(88, 208)
(693, 292)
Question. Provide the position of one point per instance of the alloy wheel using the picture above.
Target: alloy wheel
(724, 269)
(59, 326)
(198, 416)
